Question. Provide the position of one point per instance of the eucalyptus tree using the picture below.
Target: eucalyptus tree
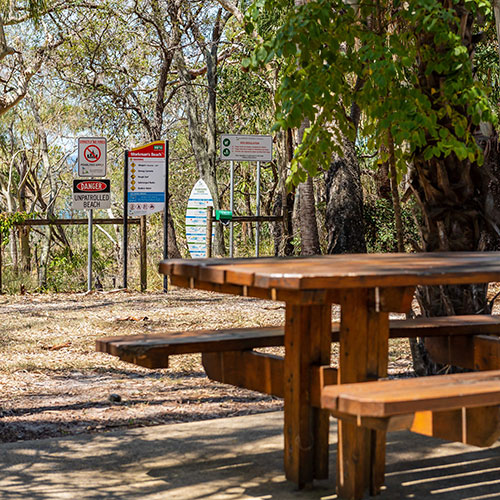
(341, 184)
(201, 29)
(34, 173)
(120, 61)
(22, 57)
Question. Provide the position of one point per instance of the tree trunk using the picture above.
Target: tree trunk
(24, 231)
(204, 144)
(13, 250)
(382, 181)
(396, 203)
(283, 231)
(453, 197)
(344, 204)
(172, 248)
(44, 260)
(309, 237)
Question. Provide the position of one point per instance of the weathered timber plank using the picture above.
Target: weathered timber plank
(360, 457)
(340, 271)
(248, 369)
(395, 299)
(152, 350)
(321, 376)
(474, 352)
(376, 367)
(486, 352)
(70, 222)
(392, 397)
(385, 424)
(307, 343)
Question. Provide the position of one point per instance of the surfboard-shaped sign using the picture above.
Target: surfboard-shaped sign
(196, 219)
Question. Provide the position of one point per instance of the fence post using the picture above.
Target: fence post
(209, 232)
(144, 263)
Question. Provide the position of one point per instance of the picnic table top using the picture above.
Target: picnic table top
(342, 271)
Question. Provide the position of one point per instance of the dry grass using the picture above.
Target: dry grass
(52, 382)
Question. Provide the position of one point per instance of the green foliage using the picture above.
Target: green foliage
(486, 64)
(67, 272)
(380, 227)
(7, 222)
(335, 55)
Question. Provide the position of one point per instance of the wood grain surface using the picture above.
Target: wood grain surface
(392, 397)
(342, 271)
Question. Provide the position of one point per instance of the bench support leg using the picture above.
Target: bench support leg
(364, 337)
(307, 343)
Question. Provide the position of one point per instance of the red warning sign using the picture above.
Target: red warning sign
(92, 153)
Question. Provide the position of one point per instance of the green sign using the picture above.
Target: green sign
(223, 215)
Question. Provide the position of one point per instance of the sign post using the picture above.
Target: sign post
(257, 212)
(146, 191)
(125, 219)
(92, 156)
(231, 207)
(257, 148)
(89, 194)
(165, 219)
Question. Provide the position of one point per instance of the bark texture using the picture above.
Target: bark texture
(458, 201)
(344, 204)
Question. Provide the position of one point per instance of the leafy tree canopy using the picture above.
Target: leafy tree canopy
(338, 54)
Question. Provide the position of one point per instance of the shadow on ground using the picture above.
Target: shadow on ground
(230, 458)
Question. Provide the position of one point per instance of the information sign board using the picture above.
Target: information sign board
(91, 194)
(246, 147)
(146, 179)
(196, 219)
(92, 156)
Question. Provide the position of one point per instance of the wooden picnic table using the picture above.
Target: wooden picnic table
(368, 287)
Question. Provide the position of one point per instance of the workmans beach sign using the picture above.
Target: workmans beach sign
(146, 179)
(91, 194)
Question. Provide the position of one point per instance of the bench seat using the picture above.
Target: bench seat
(153, 350)
(386, 398)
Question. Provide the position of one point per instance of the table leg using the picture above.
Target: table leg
(307, 342)
(364, 335)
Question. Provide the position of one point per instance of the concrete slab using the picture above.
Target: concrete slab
(226, 459)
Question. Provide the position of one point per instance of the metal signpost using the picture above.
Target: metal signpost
(92, 156)
(146, 190)
(257, 148)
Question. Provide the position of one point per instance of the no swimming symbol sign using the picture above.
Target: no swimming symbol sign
(91, 156)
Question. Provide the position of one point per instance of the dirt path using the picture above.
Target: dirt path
(53, 383)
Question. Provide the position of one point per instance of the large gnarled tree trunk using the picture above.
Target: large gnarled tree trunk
(453, 195)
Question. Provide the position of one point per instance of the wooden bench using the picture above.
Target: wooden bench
(434, 406)
(460, 407)
(152, 351)
(228, 356)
